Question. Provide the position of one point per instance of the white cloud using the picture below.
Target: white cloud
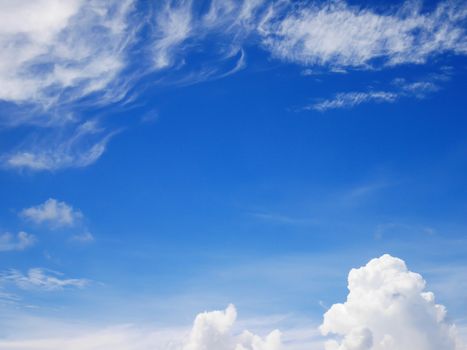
(54, 51)
(352, 99)
(337, 34)
(58, 58)
(53, 212)
(62, 59)
(84, 146)
(173, 25)
(80, 149)
(400, 88)
(21, 241)
(388, 308)
(212, 331)
(40, 279)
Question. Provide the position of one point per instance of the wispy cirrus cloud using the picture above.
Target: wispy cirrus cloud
(78, 148)
(354, 98)
(52, 212)
(40, 279)
(399, 88)
(62, 61)
(55, 52)
(20, 241)
(336, 34)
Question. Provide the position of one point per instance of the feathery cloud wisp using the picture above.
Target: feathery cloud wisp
(40, 279)
(337, 34)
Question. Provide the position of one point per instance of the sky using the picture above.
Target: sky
(233, 175)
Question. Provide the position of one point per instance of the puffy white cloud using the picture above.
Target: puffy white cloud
(40, 279)
(53, 212)
(21, 241)
(388, 308)
(334, 33)
(213, 331)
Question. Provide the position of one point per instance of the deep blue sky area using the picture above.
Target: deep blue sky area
(239, 170)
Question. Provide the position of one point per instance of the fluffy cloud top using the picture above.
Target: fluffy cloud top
(21, 241)
(388, 308)
(213, 331)
(53, 212)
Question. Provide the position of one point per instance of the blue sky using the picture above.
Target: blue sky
(159, 159)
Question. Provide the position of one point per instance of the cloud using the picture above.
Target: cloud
(173, 25)
(401, 88)
(40, 279)
(53, 212)
(388, 308)
(63, 61)
(54, 52)
(84, 146)
(212, 331)
(337, 34)
(21, 241)
(352, 99)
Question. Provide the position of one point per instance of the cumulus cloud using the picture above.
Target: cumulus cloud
(53, 212)
(337, 34)
(21, 241)
(213, 331)
(40, 279)
(388, 308)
